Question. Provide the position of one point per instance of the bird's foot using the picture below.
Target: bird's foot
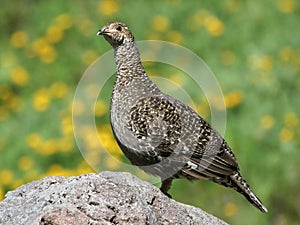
(167, 194)
(165, 186)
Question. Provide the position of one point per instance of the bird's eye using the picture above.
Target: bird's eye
(119, 28)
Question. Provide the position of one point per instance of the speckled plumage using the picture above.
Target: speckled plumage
(160, 134)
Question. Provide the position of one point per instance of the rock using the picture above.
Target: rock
(105, 198)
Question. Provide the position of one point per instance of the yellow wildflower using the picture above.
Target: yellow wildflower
(33, 174)
(34, 140)
(218, 102)
(65, 144)
(286, 6)
(48, 54)
(6, 177)
(78, 107)
(112, 163)
(233, 5)
(25, 163)
(92, 90)
(266, 63)
(6, 93)
(198, 18)
(91, 139)
(58, 170)
(1, 194)
(100, 108)
(291, 120)
(108, 7)
(160, 23)
(41, 100)
(19, 76)
(84, 168)
(93, 157)
(14, 103)
(262, 62)
(19, 39)
(286, 54)
(89, 56)
(286, 135)
(48, 147)
(44, 50)
(175, 36)
(144, 176)
(232, 99)
(64, 21)
(67, 126)
(267, 122)
(230, 209)
(177, 79)
(17, 183)
(39, 44)
(108, 141)
(85, 27)
(203, 109)
(58, 89)
(54, 34)
(214, 26)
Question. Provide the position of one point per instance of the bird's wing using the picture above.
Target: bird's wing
(220, 165)
(164, 125)
(155, 120)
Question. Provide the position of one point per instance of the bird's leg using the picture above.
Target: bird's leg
(165, 186)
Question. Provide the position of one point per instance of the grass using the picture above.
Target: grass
(252, 48)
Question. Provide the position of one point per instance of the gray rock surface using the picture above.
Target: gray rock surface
(105, 198)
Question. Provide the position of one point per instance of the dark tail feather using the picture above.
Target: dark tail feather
(242, 187)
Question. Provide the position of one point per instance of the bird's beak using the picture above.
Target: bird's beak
(100, 32)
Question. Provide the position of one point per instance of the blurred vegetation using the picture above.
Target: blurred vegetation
(253, 48)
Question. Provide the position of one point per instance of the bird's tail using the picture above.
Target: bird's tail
(242, 187)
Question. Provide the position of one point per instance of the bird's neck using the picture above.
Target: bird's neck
(128, 61)
(130, 71)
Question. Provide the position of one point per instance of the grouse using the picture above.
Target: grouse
(160, 134)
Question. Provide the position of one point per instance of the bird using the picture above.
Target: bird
(160, 134)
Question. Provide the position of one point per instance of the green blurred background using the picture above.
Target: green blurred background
(252, 47)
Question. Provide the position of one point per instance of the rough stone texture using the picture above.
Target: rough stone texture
(105, 198)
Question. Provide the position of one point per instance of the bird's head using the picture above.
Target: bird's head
(116, 33)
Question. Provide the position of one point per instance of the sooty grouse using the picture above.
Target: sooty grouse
(160, 134)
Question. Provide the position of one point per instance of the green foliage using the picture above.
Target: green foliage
(252, 47)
